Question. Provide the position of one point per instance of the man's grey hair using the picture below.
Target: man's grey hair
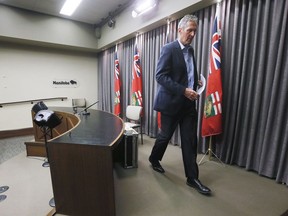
(187, 18)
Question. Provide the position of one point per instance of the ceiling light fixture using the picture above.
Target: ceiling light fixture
(69, 7)
(144, 7)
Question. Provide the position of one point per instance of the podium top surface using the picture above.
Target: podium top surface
(98, 128)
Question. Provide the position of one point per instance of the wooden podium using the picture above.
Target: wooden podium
(81, 165)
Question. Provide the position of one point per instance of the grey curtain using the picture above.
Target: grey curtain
(255, 75)
(254, 78)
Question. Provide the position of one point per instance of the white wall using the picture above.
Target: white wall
(17, 24)
(27, 73)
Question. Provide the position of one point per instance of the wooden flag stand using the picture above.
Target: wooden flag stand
(210, 153)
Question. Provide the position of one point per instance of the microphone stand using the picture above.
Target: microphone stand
(84, 112)
(45, 132)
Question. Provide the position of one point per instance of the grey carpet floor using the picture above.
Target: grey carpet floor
(11, 147)
(142, 191)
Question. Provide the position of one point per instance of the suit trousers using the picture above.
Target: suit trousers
(187, 119)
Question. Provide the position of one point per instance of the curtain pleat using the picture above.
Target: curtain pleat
(254, 81)
(254, 78)
(151, 46)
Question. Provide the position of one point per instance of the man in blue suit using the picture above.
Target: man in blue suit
(176, 98)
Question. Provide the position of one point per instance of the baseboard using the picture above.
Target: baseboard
(15, 133)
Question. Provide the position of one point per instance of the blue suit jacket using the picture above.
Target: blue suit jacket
(171, 75)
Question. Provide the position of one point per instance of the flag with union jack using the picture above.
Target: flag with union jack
(117, 84)
(136, 99)
(212, 116)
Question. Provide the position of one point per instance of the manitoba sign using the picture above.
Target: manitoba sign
(65, 83)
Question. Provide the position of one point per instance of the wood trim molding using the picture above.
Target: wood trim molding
(32, 101)
(15, 133)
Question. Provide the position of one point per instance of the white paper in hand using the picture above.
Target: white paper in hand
(201, 89)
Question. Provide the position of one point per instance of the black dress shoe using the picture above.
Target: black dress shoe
(195, 183)
(156, 166)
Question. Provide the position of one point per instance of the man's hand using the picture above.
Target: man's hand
(191, 94)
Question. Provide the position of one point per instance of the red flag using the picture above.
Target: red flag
(136, 80)
(159, 120)
(212, 117)
(117, 84)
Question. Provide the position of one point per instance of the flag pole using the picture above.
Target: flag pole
(210, 148)
(212, 117)
(210, 153)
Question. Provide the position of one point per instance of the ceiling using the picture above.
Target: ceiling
(96, 12)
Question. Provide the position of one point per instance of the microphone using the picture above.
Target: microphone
(84, 112)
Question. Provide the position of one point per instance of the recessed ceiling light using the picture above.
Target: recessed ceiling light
(69, 7)
(144, 7)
